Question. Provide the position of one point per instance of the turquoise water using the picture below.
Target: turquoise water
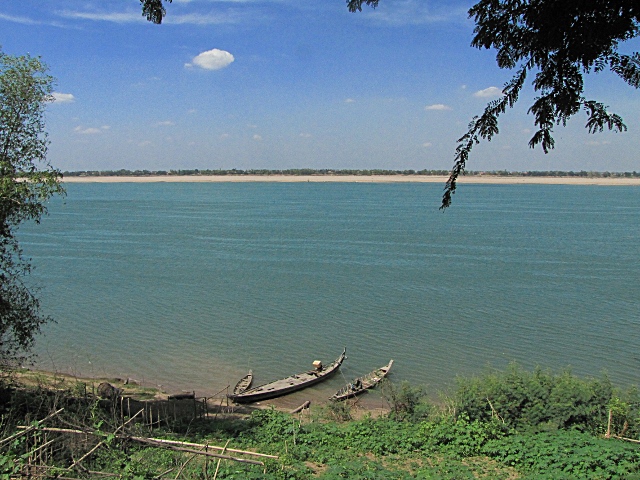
(190, 285)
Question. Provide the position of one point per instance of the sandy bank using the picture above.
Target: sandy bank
(361, 179)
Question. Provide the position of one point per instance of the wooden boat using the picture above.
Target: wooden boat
(289, 384)
(361, 384)
(244, 383)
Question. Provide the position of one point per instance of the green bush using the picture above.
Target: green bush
(539, 399)
(407, 401)
(567, 454)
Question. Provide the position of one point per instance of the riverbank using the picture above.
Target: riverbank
(473, 179)
(216, 403)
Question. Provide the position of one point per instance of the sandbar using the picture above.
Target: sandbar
(471, 179)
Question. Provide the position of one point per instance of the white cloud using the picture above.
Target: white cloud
(224, 135)
(166, 123)
(146, 143)
(232, 16)
(104, 17)
(257, 138)
(212, 60)
(199, 19)
(490, 92)
(409, 12)
(87, 131)
(27, 21)
(63, 97)
(427, 144)
(22, 20)
(349, 100)
(305, 135)
(437, 106)
(105, 127)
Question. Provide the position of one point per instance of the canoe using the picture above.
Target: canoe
(244, 383)
(361, 384)
(289, 384)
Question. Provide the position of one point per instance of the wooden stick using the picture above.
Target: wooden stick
(196, 452)
(100, 443)
(49, 467)
(215, 475)
(625, 439)
(184, 465)
(493, 411)
(158, 440)
(218, 393)
(32, 427)
(188, 444)
(157, 477)
(306, 404)
(42, 446)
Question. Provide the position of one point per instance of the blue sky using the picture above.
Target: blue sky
(287, 84)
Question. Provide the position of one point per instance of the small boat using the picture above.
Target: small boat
(244, 383)
(290, 384)
(361, 384)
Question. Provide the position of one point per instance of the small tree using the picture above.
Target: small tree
(27, 181)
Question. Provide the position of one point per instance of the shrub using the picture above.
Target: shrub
(538, 399)
(408, 402)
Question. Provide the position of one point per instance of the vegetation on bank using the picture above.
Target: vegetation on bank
(343, 172)
(509, 424)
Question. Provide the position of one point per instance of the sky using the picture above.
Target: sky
(278, 84)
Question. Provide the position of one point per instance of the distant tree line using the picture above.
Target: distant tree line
(345, 172)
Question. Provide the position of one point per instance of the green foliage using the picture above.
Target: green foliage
(567, 454)
(408, 402)
(462, 437)
(153, 10)
(27, 181)
(10, 465)
(439, 445)
(560, 41)
(340, 411)
(538, 399)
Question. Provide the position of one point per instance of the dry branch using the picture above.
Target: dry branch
(306, 404)
(32, 427)
(196, 452)
(625, 439)
(171, 444)
(200, 445)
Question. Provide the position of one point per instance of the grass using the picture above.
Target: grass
(520, 434)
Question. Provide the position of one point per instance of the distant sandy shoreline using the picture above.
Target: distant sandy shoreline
(478, 179)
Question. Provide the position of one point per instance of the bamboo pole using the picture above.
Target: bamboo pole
(158, 441)
(32, 427)
(196, 452)
(100, 443)
(215, 475)
(625, 439)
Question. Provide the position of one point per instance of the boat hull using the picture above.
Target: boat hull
(362, 384)
(288, 385)
(244, 383)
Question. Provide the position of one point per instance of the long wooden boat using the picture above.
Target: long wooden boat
(363, 383)
(289, 384)
(244, 383)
